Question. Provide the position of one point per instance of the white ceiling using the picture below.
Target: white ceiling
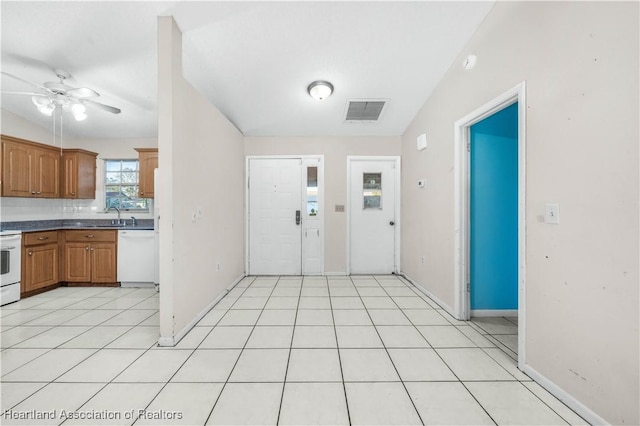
(253, 60)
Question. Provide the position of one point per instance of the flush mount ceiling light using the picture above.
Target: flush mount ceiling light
(320, 90)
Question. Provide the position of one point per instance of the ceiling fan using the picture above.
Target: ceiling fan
(58, 94)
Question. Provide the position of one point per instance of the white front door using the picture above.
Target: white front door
(275, 199)
(372, 215)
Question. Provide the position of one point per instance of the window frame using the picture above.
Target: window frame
(122, 184)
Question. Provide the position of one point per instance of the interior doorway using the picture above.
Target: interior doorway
(464, 246)
(285, 216)
(493, 215)
(374, 213)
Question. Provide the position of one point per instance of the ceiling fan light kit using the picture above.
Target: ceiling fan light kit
(62, 96)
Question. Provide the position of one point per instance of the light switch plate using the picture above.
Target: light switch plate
(552, 213)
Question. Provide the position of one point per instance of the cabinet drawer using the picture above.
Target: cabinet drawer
(91, 235)
(36, 238)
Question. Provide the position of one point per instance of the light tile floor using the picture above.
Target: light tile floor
(501, 331)
(275, 350)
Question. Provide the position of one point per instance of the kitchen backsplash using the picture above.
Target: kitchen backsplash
(19, 209)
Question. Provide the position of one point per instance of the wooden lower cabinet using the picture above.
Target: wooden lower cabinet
(40, 266)
(103, 263)
(40, 260)
(86, 261)
(77, 262)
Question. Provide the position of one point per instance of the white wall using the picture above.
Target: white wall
(580, 63)
(335, 151)
(202, 174)
(17, 209)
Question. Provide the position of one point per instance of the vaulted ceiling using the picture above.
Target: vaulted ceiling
(253, 60)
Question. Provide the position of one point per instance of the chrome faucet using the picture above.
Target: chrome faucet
(134, 222)
(118, 210)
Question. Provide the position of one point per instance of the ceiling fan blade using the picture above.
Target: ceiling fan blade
(83, 92)
(22, 93)
(24, 81)
(104, 107)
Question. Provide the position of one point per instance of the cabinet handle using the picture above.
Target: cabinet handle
(43, 238)
(30, 253)
(33, 192)
(92, 249)
(39, 192)
(86, 248)
(89, 236)
(73, 193)
(141, 193)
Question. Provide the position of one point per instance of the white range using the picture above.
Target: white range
(10, 244)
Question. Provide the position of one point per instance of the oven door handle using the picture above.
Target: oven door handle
(9, 248)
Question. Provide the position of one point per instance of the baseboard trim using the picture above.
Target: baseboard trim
(169, 342)
(581, 409)
(137, 284)
(431, 296)
(333, 274)
(494, 313)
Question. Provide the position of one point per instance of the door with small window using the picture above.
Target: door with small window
(373, 214)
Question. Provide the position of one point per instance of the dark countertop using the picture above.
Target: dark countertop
(62, 224)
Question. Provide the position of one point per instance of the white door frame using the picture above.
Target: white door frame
(461, 211)
(397, 187)
(321, 202)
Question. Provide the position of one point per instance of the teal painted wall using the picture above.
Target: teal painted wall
(494, 211)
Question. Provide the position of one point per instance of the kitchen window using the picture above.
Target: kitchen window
(121, 185)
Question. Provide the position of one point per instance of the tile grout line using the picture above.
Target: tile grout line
(239, 354)
(389, 355)
(293, 333)
(335, 332)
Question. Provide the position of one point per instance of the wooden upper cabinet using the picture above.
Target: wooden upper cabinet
(29, 169)
(148, 159)
(16, 169)
(46, 173)
(78, 174)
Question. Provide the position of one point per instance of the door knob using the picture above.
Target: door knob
(392, 223)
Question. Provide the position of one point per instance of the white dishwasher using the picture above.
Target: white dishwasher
(137, 258)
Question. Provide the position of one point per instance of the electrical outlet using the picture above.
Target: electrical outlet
(422, 260)
(218, 267)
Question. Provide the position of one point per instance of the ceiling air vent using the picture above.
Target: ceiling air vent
(364, 110)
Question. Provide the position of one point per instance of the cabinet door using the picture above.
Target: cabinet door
(77, 262)
(148, 162)
(41, 266)
(79, 175)
(103, 262)
(70, 176)
(46, 173)
(16, 170)
(86, 176)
